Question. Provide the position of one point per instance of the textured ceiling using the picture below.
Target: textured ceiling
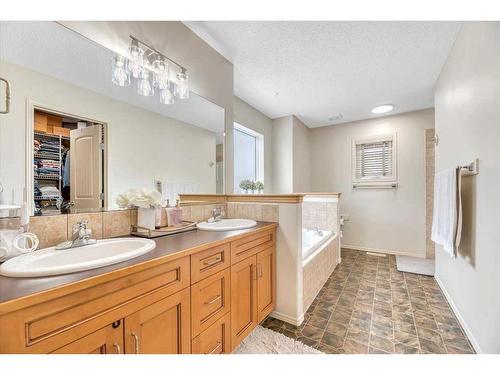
(318, 70)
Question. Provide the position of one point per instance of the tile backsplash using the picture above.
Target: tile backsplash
(52, 230)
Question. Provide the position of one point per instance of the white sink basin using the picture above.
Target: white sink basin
(227, 224)
(50, 261)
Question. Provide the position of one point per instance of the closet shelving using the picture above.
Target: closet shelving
(50, 178)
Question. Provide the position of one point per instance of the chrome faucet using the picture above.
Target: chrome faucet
(318, 232)
(80, 237)
(217, 215)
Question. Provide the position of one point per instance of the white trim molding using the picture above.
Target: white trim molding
(385, 251)
(287, 318)
(462, 321)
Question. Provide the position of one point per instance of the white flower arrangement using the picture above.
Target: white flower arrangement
(139, 198)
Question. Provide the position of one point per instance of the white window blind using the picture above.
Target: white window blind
(374, 159)
(374, 162)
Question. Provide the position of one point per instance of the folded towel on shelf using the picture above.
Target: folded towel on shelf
(447, 213)
(50, 191)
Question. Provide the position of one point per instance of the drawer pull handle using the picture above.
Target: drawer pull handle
(213, 300)
(216, 347)
(117, 348)
(136, 342)
(211, 263)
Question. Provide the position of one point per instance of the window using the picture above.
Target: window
(374, 161)
(248, 156)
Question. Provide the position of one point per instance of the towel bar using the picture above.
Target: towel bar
(472, 168)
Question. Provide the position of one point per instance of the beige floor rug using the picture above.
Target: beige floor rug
(266, 341)
(415, 265)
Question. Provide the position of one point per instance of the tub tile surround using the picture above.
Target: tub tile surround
(322, 214)
(318, 214)
(317, 272)
(368, 306)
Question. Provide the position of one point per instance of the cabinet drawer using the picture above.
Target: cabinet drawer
(40, 323)
(210, 300)
(209, 262)
(251, 245)
(215, 339)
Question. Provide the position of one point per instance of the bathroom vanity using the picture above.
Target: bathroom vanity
(196, 292)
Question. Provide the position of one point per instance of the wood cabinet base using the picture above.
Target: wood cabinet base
(206, 302)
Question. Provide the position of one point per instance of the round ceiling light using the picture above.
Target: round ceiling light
(383, 108)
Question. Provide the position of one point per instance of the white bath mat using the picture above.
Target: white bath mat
(266, 341)
(415, 265)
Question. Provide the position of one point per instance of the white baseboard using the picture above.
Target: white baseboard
(468, 332)
(385, 251)
(286, 318)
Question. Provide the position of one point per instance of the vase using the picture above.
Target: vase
(146, 217)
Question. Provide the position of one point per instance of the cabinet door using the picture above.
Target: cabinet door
(107, 340)
(160, 328)
(243, 299)
(266, 283)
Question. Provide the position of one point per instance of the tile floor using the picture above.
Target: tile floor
(368, 306)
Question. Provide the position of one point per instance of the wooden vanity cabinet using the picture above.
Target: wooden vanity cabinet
(253, 292)
(266, 282)
(205, 302)
(244, 299)
(107, 340)
(160, 328)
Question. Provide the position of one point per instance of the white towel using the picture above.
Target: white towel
(447, 210)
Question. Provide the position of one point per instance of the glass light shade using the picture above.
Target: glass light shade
(182, 88)
(136, 62)
(119, 74)
(161, 76)
(166, 96)
(144, 83)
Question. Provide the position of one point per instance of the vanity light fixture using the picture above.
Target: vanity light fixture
(151, 70)
(383, 108)
(120, 74)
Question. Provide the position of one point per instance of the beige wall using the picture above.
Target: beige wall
(389, 220)
(249, 117)
(301, 158)
(467, 122)
(211, 75)
(291, 156)
(142, 145)
(283, 155)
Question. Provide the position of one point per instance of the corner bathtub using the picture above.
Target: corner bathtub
(312, 241)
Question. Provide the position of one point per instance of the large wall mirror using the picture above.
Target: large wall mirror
(73, 141)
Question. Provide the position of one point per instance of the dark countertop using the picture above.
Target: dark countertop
(12, 288)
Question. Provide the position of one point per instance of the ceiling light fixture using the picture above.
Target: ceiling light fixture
(151, 70)
(383, 108)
